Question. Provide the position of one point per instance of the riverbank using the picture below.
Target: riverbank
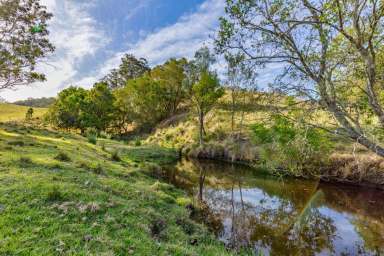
(61, 194)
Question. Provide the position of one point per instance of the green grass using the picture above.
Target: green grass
(11, 112)
(90, 204)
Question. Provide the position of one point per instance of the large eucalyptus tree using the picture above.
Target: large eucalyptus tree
(321, 45)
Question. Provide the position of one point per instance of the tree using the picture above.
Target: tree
(143, 101)
(203, 85)
(205, 94)
(130, 68)
(170, 77)
(98, 107)
(240, 77)
(305, 36)
(29, 114)
(67, 111)
(23, 41)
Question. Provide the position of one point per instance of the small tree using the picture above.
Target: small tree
(67, 111)
(205, 94)
(29, 114)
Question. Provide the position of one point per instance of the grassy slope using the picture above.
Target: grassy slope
(89, 205)
(349, 162)
(11, 112)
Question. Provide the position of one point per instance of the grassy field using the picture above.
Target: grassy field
(61, 195)
(11, 112)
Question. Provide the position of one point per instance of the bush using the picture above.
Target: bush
(298, 149)
(63, 157)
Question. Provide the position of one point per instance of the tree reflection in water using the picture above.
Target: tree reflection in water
(287, 217)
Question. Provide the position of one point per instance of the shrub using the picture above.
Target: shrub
(296, 148)
(61, 156)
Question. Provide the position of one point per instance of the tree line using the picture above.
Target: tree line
(136, 97)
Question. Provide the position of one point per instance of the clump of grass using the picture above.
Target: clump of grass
(115, 156)
(25, 161)
(91, 134)
(157, 226)
(54, 194)
(187, 225)
(92, 139)
(61, 156)
(19, 143)
(137, 143)
(98, 169)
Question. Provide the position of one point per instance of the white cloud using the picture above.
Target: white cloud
(181, 39)
(75, 35)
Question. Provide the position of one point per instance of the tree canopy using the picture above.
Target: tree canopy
(305, 38)
(22, 45)
(130, 68)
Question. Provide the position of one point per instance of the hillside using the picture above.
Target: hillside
(346, 161)
(12, 112)
(60, 194)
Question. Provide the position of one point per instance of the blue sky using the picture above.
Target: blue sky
(91, 36)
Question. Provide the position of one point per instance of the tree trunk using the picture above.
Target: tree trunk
(201, 127)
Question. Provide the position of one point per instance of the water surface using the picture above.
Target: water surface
(284, 216)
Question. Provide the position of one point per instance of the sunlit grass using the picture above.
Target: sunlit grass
(89, 205)
(11, 112)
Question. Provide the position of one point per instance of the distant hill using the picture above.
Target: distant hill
(36, 102)
(12, 112)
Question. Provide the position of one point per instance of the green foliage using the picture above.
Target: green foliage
(67, 111)
(130, 68)
(77, 108)
(296, 148)
(206, 92)
(98, 107)
(21, 49)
